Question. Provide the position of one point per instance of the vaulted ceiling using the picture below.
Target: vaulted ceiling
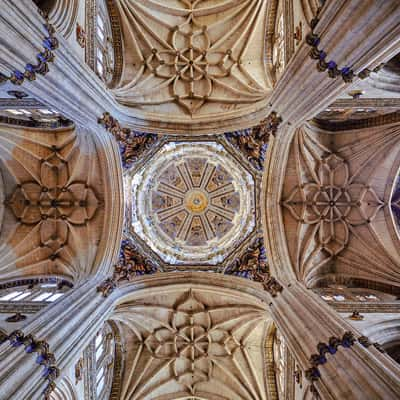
(193, 60)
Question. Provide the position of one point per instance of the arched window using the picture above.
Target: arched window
(280, 362)
(62, 14)
(104, 40)
(341, 293)
(104, 356)
(34, 290)
(104, 65)
(278, 51)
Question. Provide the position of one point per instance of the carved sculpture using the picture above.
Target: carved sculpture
(43, 358)
(107, 287)
(253, 142)
(131, 263)
(132, 144)
(80, 36)
(17, 317)
(356, 316)
(270, 284)
(347, 340)
(252, 261)
(50, 43)
(79, 371)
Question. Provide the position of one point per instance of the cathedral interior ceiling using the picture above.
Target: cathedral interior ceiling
(369, 102)
(336, 205)
(193, 341)
(193, 60)
(192, 198)
(53, 202)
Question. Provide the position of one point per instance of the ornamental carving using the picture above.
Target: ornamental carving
(43, 358)
(333, 203)
(80, 36)
(269, 283)
(253, 143)
(347, 340)
(189, 56)
(188, 343)
(41, 65)
(131, 263)
(132, 144)
(107, 287)
(252, 261)
(54, 201)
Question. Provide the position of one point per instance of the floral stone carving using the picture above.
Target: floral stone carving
(191, 54)
(333, 204)
(196, 344)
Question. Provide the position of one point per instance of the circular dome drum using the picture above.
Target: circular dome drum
(192, 204)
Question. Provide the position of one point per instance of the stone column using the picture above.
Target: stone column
(357, 34)
(69, 86)
(343, 367)
(67, 326)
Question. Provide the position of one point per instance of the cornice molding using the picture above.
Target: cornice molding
(366, 307)
(379, 120)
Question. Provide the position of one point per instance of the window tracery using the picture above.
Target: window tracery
(104, 345)
(280, 362)
(345, 294)
(46, 291)
(278, 52)
(104, 50)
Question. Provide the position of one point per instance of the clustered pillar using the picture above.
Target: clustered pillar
(337, 360)
(33, 358)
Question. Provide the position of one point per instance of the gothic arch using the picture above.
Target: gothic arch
(62, 14)
(64, 391)
(319, 166)
(56, 202)
(165, 307)
(386, 332)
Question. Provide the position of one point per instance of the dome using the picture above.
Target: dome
(191, 203)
